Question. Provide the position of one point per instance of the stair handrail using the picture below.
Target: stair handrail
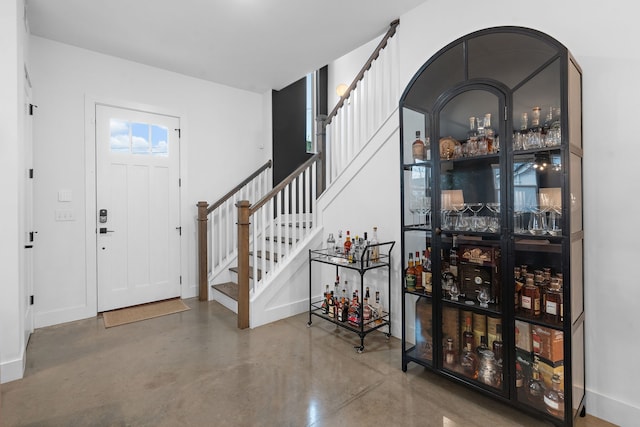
(297, 203)
(204, 210)
(288, 180)
(376, 53)
(237, 188)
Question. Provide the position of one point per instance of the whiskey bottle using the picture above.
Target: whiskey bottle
(469, 362)
(427, 275)
(418, 269)
(467, 335)
(427, 148)
(489, 134)
(366, 310)
(553, 302)
(519, 380)
(417, 149)
(449, 354)
(483, 345)
(410, 275)
(530, 302)
(325, 301)
(375, 250)
(535, 387)
(332, 306)
(554, 398)
(379, 308)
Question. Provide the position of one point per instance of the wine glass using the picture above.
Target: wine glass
(494, 221)
(475, 208)
(426, 210)
(460, 222)
(415, 205)
(537, 221)
(454, 291)
(484, 297)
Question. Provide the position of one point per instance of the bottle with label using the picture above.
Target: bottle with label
(449, 354)
(375, 250)
(483, 345)
(347, 243)
(418, 267)
(417, 149)
(467, 335)
(410, 275)
(554, 398)
(379, 308)
(535, 387)
(331, 244)
(489, 134)
(530, 301)
(325, 301)
(332, 306)
(366, 309)
(453, 258)
(427, 148)
(427, 275)
(553, 301)
(339, 244)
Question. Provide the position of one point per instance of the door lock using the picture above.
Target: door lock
(103, 230)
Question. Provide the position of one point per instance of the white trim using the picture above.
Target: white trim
(612, 410)
(14, 369)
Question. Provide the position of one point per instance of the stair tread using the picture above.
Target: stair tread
(230, 289)
(235, 270)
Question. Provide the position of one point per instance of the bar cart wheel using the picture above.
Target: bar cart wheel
(359, 349)
(583, 412)
(309, 324)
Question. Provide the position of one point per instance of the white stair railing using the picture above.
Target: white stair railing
(370, 100)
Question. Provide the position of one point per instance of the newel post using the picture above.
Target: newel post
(243, 263)
(203, 256)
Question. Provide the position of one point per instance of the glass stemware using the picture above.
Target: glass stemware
(476, 224)
(493, 225)
(461, 222)
(537, 221)
(484, 297)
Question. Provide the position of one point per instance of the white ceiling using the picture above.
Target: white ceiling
(256, 45)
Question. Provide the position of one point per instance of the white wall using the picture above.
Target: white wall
(224, 132)
(601, 36)
(12, 279)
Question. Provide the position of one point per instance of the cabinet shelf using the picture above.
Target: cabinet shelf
(494, 215)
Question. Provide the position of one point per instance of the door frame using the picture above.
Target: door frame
(91, 212)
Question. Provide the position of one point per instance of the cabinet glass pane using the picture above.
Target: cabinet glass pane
(576, 193)
(419, 327)
(444, 72)
(417, 247)
(577, 287)
(577, 368)
(575, 105)
(539, 367)
(472, 345)
(413, 122)
(516, 58)
(417, 196)
(537, 194)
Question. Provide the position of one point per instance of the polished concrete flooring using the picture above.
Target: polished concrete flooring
(196, 368)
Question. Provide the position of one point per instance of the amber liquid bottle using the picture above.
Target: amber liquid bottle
(410, 275)
(427, 275)
(467, 336)
(535, 388)
(554, 398)
(530, 301)
(418, 149)
(418, 267)
(498, 345)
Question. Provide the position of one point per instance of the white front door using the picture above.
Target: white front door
(28, 211)
(138, 191)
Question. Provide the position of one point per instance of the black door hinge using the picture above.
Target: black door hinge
(31, 107)
(179, 132)
(31, 233)
(181, 280)
(31, 173)
(31, 300)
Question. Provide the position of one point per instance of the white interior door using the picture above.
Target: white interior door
(138, 191)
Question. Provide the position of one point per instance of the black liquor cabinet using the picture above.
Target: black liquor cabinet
(491, 190)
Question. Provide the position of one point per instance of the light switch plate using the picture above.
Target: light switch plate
(65, 195)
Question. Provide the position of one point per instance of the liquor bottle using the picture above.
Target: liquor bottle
(332, 305)
(483, 345)
(553, 302)
(530, 302)
(418, 269)
(375, 250)
(498, 345)
(366, 309)
(449, 354)
(489, 134)
(469, 362)
(365, 245)
(347, 243)
(554, 398)
(472, 136)
(354, 310)
(410, 275)
(518, 284)
(536, 342)
(344, 307)
(325, 301)
(534, 137)
(535, 387)
(417, 149)
(379, 308)
(339, 244)
(331, 244)
(519, 138)
(336, 286)
(467, 335)
(356, 250)
(427, 275)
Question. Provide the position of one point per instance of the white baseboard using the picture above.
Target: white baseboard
(12, 370)
(611, 410)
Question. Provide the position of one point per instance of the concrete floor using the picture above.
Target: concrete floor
(196, 368)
